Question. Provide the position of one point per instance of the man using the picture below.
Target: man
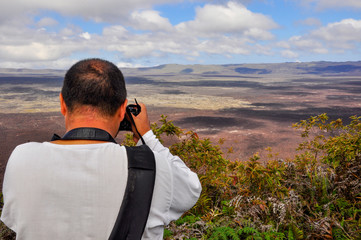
(73, 189)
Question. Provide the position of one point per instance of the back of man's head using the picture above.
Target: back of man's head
(96, 83)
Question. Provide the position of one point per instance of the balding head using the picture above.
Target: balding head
(96, 83)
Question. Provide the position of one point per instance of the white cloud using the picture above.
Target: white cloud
(85, 35)
(231, 18)
(128, 65)
(37, 51)
(62, 63)
(115, 31)
(24, 44)
(225, 30)
(149, 20)
(307, 44)
(343, 32)
(183, 39)
(336, 37)
(224, 45)
(105, 10)
(31, 51)
(289, 54)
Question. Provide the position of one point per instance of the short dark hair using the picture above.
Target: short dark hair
(94, 82)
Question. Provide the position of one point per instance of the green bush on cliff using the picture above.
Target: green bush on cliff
(316, 195)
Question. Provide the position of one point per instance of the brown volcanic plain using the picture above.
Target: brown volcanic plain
(250, 106)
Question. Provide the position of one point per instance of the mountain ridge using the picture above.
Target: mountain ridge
(349, 68)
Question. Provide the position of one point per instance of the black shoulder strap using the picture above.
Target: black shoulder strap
(85, 133)
(134, 211)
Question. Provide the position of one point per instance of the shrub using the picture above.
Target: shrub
(316, 195)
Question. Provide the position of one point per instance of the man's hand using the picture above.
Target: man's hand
(142, 123)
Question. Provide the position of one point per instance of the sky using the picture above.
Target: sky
(145, 33)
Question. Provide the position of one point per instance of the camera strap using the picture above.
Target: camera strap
(85, 134)
(136, 129)
(135, 207)
(134, 211)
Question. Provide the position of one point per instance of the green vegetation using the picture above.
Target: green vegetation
(315, 195)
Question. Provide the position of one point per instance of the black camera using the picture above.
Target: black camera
(132, 109)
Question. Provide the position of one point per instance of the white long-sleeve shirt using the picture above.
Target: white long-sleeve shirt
(56, 191)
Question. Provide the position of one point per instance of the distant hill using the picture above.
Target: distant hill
(312, 68)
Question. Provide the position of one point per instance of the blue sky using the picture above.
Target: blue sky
(55, 34)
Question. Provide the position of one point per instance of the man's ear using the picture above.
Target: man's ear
(122, 110)
(63, 107)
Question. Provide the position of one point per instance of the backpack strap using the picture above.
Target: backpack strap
(134, 211)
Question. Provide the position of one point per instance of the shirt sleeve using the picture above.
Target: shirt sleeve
(185, 187)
